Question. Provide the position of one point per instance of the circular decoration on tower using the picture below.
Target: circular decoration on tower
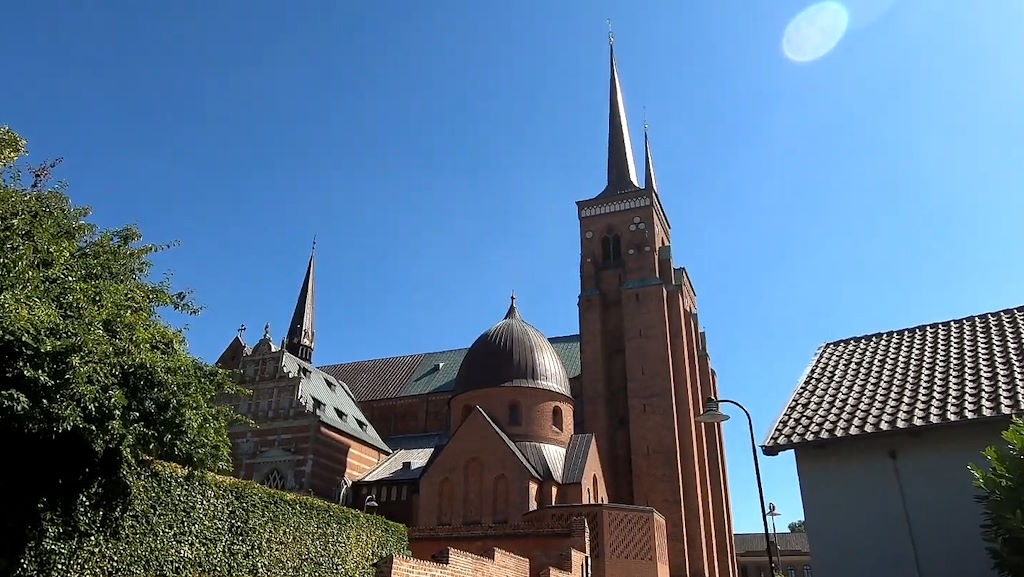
(632, 227)
(642, 225)
(589, 234)
(636, 219)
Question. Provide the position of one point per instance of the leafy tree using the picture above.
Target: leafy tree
(1001, 482)
(797, 526)
(92, 380)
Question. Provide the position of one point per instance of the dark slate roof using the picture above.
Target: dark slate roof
(547, 459)
(576, 458)
(512, 353)
(754, 543)
(339, 408)
(958, 370)
(426, 372)
(393, 468)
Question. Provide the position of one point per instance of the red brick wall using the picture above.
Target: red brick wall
(454, 563)
(407, 415)
(535, 411)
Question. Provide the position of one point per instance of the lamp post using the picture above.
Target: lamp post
(773, 513)
(713, 414)
(370, 506)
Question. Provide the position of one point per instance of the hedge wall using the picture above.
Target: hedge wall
(191, 524)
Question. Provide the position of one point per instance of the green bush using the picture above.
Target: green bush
(180, 522)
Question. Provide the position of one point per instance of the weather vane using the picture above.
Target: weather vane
(611, 37)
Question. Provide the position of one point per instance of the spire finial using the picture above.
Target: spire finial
(649, 182)
(645, 119)
(241, 329)
(611, 35)
(266, 331)
(513, 312)
(513, 297)
(314, 244)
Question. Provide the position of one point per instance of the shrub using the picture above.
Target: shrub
(1002, 500)
(181, 522)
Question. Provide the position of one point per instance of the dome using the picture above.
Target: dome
(512, 354)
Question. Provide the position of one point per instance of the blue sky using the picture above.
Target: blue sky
(436, 150)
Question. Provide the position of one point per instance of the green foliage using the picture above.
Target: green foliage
(184, 523)
(1002, 498)
(91, 378)
(797, 527)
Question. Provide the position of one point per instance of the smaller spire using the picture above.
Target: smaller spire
(513, 312)
(301, 334)
(649, 182)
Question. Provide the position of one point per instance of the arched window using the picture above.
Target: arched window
(593, 485)
(274, 479)
(616, 248)
(515, 414)
(606, 249)
(472, 487)
(444, 502)
(499, 502)
(466, 410)
(790, 572)
(807, 571)
(556, 418)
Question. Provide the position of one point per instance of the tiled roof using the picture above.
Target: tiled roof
(754, 542)
(339, 408)
(547, 459)
(944, 372)
(414, 449)
(426, 372)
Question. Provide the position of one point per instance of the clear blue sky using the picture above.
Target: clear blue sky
(437, 149)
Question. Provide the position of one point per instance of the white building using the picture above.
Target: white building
(884, 426)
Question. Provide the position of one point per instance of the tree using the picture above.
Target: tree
(92, 381)
(797, 526)
(1001, 482)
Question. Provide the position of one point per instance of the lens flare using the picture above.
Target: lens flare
(815, 31)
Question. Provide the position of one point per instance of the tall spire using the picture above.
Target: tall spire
(621, 169)
(649, 182)
(299, 341)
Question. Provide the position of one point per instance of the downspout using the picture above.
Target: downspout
(906, 512)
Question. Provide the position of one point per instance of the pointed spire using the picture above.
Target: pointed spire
(621, 169)
(513, 312)
(649, 182)
(299, 341)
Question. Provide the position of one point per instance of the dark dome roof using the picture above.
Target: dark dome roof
(512, 354)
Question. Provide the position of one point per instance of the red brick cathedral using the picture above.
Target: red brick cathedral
(521, 455)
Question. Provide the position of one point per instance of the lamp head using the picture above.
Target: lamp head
(712, 412)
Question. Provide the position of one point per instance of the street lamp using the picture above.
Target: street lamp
(370, 506)
(713, 414)
(773, 513)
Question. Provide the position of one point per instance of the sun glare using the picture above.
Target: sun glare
(815, 31)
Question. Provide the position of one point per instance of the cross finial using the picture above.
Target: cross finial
(241, 329)
(645, 119)
(314, 244)
(266, 331)
(513, 298)
(611, 36)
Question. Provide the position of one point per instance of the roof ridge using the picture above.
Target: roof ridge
(924, 325)
(785, 407)
(423, 354)
(509, 442)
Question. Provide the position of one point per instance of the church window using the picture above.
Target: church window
(556, 418)
(790, 572)
(444, 509)
(593, 484)
(807, 571)
(515, 415)
(274, 479)
(472, 489)
(616, 248)
(606, 249)
(499, 505)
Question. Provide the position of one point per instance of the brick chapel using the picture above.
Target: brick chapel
(522, 454)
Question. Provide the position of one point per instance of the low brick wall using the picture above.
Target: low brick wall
(454, 563)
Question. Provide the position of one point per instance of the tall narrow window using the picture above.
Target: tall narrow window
(472, 481)
(616, 248)
(593, 484)
(790, 572)
(606, 249)
(499, 504)
(444, 506)
(515, 415)
(556, 418)
(807, 571)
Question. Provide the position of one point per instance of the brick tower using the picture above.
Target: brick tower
(645, 365)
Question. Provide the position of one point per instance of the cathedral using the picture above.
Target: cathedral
(578, 455)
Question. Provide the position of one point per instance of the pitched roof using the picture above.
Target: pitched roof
(426, 373)
(547, 459)
(754, 542)
(339, 408)
(417, 450)
(576, 458)
(945, 372)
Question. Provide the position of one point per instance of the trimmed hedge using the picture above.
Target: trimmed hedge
(185, 523)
